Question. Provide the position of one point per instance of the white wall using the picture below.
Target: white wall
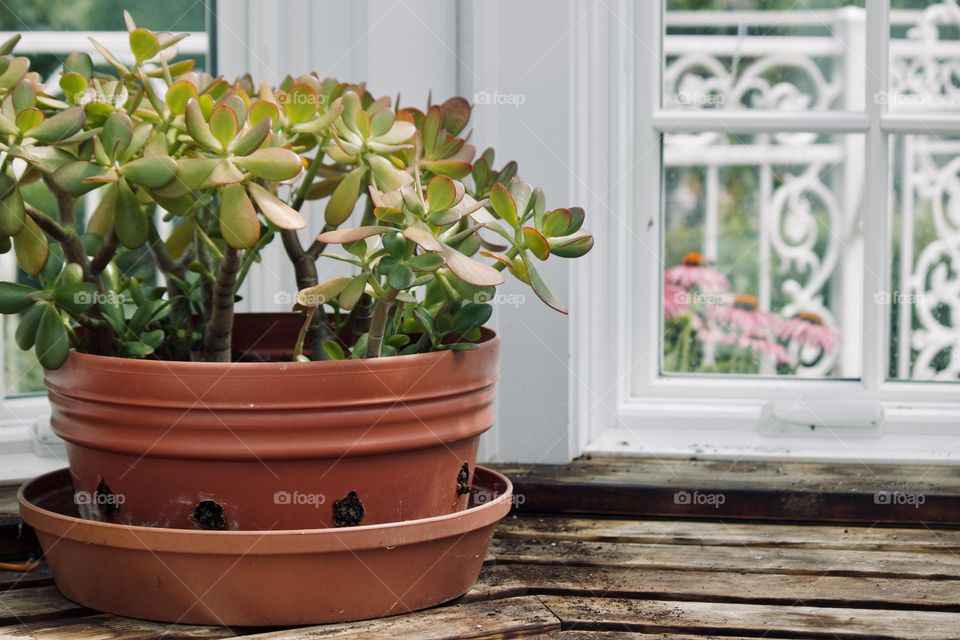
(514, 51)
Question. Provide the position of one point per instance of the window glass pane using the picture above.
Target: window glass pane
(762, 254)
(924, 56)
(51, 29)
(925, 299)
(764, 54)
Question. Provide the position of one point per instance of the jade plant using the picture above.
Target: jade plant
(197, 175)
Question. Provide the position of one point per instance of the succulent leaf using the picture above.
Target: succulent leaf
(344, 198)
(239, 225)
(271, 163)
(30, 246)
(52, 343)
(275, 209)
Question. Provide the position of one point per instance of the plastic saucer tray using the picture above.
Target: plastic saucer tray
(262, 578)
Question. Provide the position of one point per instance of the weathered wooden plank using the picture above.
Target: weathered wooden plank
(807, 474)
(626, 635)
(707, 586)
(36, 603)
(868, 564)
(107, 627)
(22, 579)
(750, 620)
(509, 618)
(713, 533)
(749, 490)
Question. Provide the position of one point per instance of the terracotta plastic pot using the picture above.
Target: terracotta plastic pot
(254, 578)
(273, 445)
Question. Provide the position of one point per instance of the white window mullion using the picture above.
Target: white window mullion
(876, 215)
(755, 121)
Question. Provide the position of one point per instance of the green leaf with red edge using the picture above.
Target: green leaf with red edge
(59, 127)
(31, 248)
(455, 169)
(577, 215)
(130, 222)
(503, 204)
(224, 125)
(344, 236)
(351, 294)
(542, 289)
(323, 293)
(263, 110)
(197, 126)
(13, 215)
(426, 262)
(536, 243)
(178, 94)
(572, 246)
(15, 70)
(470, 270)
(556, 222)
(117, 133)
(143, 44)
(72, 178)
(441, 193)
(344, 197)
(421, 234)
(276, 210)
(456, 115)
(151, 172)
(271, 163)
(239, 224)
(431, 131)
(29, 119)
(381, 122)
(300, 103)
(252, 139)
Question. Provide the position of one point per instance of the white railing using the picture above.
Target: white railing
(806, 179)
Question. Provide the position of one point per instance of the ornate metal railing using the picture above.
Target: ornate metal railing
(808, 188)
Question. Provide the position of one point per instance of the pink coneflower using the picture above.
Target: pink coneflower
(694, 272)
(676, 300)
(808, 330)
(743, 316)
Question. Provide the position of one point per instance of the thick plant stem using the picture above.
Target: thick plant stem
(364, 307)
(305, 269)
(218, 332)
(378, 324)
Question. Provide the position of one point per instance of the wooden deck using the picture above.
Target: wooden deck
(575, 575)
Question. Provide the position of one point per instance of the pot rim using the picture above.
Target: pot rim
(263, 542)
(490, 340)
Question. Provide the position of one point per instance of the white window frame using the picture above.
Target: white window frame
(622, 404)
